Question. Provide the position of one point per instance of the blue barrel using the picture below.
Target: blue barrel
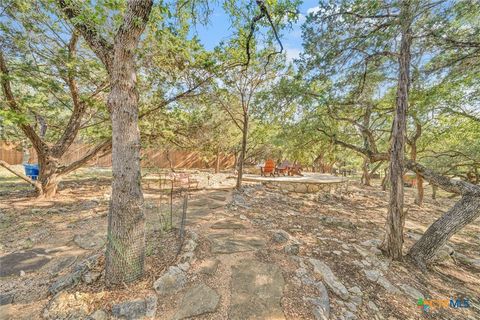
(31, 170)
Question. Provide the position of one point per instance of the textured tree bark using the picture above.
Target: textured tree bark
(434, 192)
(125, 252)
(462, 213)
(48, 176)
(393, 241)
(385, 179)
(366, 174)
(465, 211)
(413, 156)
(241, 158)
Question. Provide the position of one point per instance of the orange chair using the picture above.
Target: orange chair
(268, 168)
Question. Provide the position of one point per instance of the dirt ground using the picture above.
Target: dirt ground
(328, 227)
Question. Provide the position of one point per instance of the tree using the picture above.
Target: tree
(239, 88)
(50, 94)
(354, 37)
(126, 221)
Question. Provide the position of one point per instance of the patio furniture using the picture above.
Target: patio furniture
(295, 169)
(282, 168)
(268, 168)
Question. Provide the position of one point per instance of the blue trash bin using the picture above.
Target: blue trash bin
(31, 170)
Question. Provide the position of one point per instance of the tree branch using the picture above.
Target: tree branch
(34, 183)
(102, 48)
(79, 107)
(37, 142)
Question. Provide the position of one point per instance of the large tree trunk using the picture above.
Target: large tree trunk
(241, 158)
(125, 253)
(462, 213)
(48, 176)
(393, 241)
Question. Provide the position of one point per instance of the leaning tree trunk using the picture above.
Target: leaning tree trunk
(241, 158)
(465, 211)
(393, 241)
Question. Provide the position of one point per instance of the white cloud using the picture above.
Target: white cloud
(313, 10)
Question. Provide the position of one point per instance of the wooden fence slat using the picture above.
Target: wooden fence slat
(12, 154)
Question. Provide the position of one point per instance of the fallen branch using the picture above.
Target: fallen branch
(34, 183)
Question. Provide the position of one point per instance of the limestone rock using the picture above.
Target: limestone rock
(321, 310)
(330, 279)
(91, 277)
(230, 243)
(6, 298)
(371, 243)
(228, 224)
(372, 306)
(372, 275)
(89, 241)
(197, 301)
(292, 249)
(209, 266)
(280, 236)
(98, 315)
(387, 285)
(136, 309)
(257, 290)
(71, 279)
(412, 292)
(170, 282)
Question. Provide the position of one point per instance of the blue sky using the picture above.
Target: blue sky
(219, 29)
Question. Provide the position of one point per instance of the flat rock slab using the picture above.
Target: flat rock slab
(257, 290)
(204, 205)
(209, 266)
(60, 264)
(228, 224)
(28, 260)
(230, 243)
(89, 241)
(219, 196)
(197, 300)
(198, 203)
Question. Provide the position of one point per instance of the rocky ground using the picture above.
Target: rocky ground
(257, 253)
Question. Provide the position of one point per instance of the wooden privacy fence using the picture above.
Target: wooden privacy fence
(12, 154)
